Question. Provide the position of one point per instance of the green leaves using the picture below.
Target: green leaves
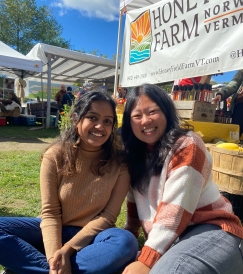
(23, 24)
(65, 119)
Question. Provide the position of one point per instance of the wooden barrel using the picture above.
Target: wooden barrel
(228, 170)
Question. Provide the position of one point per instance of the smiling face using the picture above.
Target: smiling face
(96, 126)
(148, 122)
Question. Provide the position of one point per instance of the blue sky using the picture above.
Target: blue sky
(88, 24)
(93, 25)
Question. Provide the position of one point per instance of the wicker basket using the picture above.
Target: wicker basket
(227, 170)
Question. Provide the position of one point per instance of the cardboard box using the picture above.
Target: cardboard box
(3, 121)
(196, 110)
(27, 120)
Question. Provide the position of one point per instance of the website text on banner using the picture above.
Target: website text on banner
(181, 38)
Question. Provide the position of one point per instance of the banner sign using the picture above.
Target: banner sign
(176, 39)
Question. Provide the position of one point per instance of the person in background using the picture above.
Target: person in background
(9, 83)
(86, 87)
(59, 95)
(9, 104)
(189, 81)
(122, 93)
(189, 226)
(68, 97)
(83, 184)
(234, 89)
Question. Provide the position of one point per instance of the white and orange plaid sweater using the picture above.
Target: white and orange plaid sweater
(184, 194)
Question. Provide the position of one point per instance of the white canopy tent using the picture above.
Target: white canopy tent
(14, 64)
(135, 4)
(68, 66)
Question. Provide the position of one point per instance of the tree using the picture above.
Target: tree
(213, 82)
(23, 24)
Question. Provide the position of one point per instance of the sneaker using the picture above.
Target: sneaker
(6, 271)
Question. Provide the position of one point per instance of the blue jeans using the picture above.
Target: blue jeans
(22, 249)
(203, 249)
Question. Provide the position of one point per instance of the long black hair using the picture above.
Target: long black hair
(69, 139)
(142, 165)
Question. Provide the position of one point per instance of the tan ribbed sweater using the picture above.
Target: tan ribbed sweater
(83, 199)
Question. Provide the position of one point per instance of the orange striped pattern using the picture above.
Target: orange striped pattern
(183, 195)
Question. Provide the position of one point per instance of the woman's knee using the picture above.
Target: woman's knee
(211, 251)
(126, 237)
(124, 240)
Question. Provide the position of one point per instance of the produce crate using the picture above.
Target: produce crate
(27, 120)
(195, 110)
(3, 121)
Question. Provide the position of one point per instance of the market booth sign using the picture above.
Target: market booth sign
(177, 39)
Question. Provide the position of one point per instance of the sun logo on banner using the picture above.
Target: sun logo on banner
(141, 39)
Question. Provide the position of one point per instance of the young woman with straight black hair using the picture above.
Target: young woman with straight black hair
(189, 226)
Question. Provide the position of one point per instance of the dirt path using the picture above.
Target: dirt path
(7, 144)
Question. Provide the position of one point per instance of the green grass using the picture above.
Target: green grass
(27, 133)
(19, 183)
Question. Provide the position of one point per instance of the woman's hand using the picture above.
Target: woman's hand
(136, 268)
(60, 263)
(217, 99)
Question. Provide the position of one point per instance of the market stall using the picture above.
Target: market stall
(165, 41)
(68, 66)
(15, 67)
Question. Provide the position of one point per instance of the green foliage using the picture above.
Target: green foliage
(167, 86)
(212, 82)
(65, 121)
(23, 25)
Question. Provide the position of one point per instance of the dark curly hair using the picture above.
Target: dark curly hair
(142, 164)
(69, 139)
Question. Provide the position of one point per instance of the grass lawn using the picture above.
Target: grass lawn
(25, 132)
(19, 183)
(19, 175)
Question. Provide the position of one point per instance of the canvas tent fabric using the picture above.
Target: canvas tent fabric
(69, 66)
(136, 4)
(14, 64)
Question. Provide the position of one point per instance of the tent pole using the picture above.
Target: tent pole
(48, 111)
(42, 105)
(117, 54)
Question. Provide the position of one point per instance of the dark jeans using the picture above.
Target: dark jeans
(22, 249)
